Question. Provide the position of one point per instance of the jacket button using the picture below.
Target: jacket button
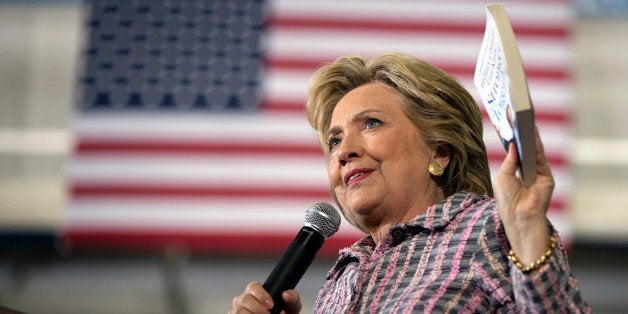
(398, 234)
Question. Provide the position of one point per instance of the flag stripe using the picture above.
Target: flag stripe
(207, 176)
(434, 48)
(553, 116)
(537, 13)
(547, 95)
(237, 243)
(195, 191)
(176, 148)
(292, 139)
(311, 64)
(219, 242)
(396, 26)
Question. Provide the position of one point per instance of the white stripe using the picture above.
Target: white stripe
(436, 48)
(556, 137)
(220, 216)
(563, 180)
(291, 85)
(281, 173)
(536, 13)
(284, 128)
(275, 128)
(228, 171)
(323, 45)
(550, 95)
(227, 215)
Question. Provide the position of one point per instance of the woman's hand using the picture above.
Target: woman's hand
(255, 299)
(523, 209)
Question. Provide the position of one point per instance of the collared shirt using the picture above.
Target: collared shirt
(452, 258)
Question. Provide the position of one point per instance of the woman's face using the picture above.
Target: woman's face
(378, 164)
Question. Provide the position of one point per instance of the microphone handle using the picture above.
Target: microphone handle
(292, 265)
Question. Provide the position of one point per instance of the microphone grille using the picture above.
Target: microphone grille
(324, 218)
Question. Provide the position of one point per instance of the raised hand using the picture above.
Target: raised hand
(523, 209)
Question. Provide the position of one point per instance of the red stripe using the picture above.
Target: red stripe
(446, 26)
(299, 107)
(310, 65)
(283, 106)
(150, 146)
(258, 243)
(150, 189)
(497, 157)
(179, 147)
(562, 116)
(122, 190)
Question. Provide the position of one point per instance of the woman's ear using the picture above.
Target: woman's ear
(442, 155)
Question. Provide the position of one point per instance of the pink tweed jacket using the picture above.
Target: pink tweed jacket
(453, 258)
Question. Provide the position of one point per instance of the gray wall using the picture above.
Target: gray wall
(38, 52)
(600, 150)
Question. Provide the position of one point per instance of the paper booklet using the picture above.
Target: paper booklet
(501, 82)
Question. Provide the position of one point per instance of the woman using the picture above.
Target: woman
(408, 166)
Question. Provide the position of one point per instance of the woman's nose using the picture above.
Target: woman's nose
(348, 150)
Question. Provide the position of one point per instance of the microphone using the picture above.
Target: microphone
(321, 222)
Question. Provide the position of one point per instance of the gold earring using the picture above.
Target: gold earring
(436, 169)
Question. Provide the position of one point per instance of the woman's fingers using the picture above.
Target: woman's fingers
(292, 301)
(506, 181)
(542, 166)
(510, 164)
(255, 299)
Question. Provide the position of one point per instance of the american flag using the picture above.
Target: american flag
(190, 127)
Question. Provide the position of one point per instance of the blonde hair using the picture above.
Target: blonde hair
(443, 111)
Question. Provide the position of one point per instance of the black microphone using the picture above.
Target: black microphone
(321, 222)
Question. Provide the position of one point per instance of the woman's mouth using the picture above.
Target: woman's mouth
(356, 175)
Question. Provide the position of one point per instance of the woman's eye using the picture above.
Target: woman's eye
(372, 122)
(332, 143)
